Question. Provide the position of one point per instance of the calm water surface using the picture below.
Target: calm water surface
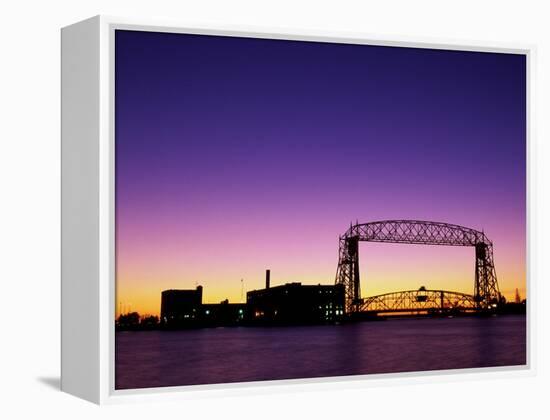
(207, 356)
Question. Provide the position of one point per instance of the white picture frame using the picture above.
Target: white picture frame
(88, 260)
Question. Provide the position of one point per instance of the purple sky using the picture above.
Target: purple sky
(234, 155)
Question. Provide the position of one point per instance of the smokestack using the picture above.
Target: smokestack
(267, 278)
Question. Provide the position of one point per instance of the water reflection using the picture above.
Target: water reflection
(171, 358)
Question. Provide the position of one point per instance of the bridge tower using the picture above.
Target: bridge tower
(348, 271)
(486, 291)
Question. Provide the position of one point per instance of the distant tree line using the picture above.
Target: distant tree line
(134, 321)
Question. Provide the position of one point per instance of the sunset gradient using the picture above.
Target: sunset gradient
(235, 155)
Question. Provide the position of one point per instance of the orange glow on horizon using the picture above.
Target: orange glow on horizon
(384, 268)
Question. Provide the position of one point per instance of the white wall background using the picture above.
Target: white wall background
(29, 209)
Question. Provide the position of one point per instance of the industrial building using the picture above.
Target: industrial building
(295, 303)
(184, 308)
(223, 314)
(180, 307)
(291, 303)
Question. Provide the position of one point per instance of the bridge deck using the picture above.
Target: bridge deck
(418, 300)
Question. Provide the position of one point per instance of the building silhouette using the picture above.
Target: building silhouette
(291, 303)
(180, 306)
(295, 303)
(223, 314)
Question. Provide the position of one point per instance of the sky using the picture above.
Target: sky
(235, 155)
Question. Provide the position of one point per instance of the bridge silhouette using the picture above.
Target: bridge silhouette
(417, 232)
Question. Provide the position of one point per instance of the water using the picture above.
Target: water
(207, 356)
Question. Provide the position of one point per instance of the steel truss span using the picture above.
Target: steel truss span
(416, 232)
(419, 300)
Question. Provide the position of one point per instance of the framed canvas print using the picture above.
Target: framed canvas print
(249, 208)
